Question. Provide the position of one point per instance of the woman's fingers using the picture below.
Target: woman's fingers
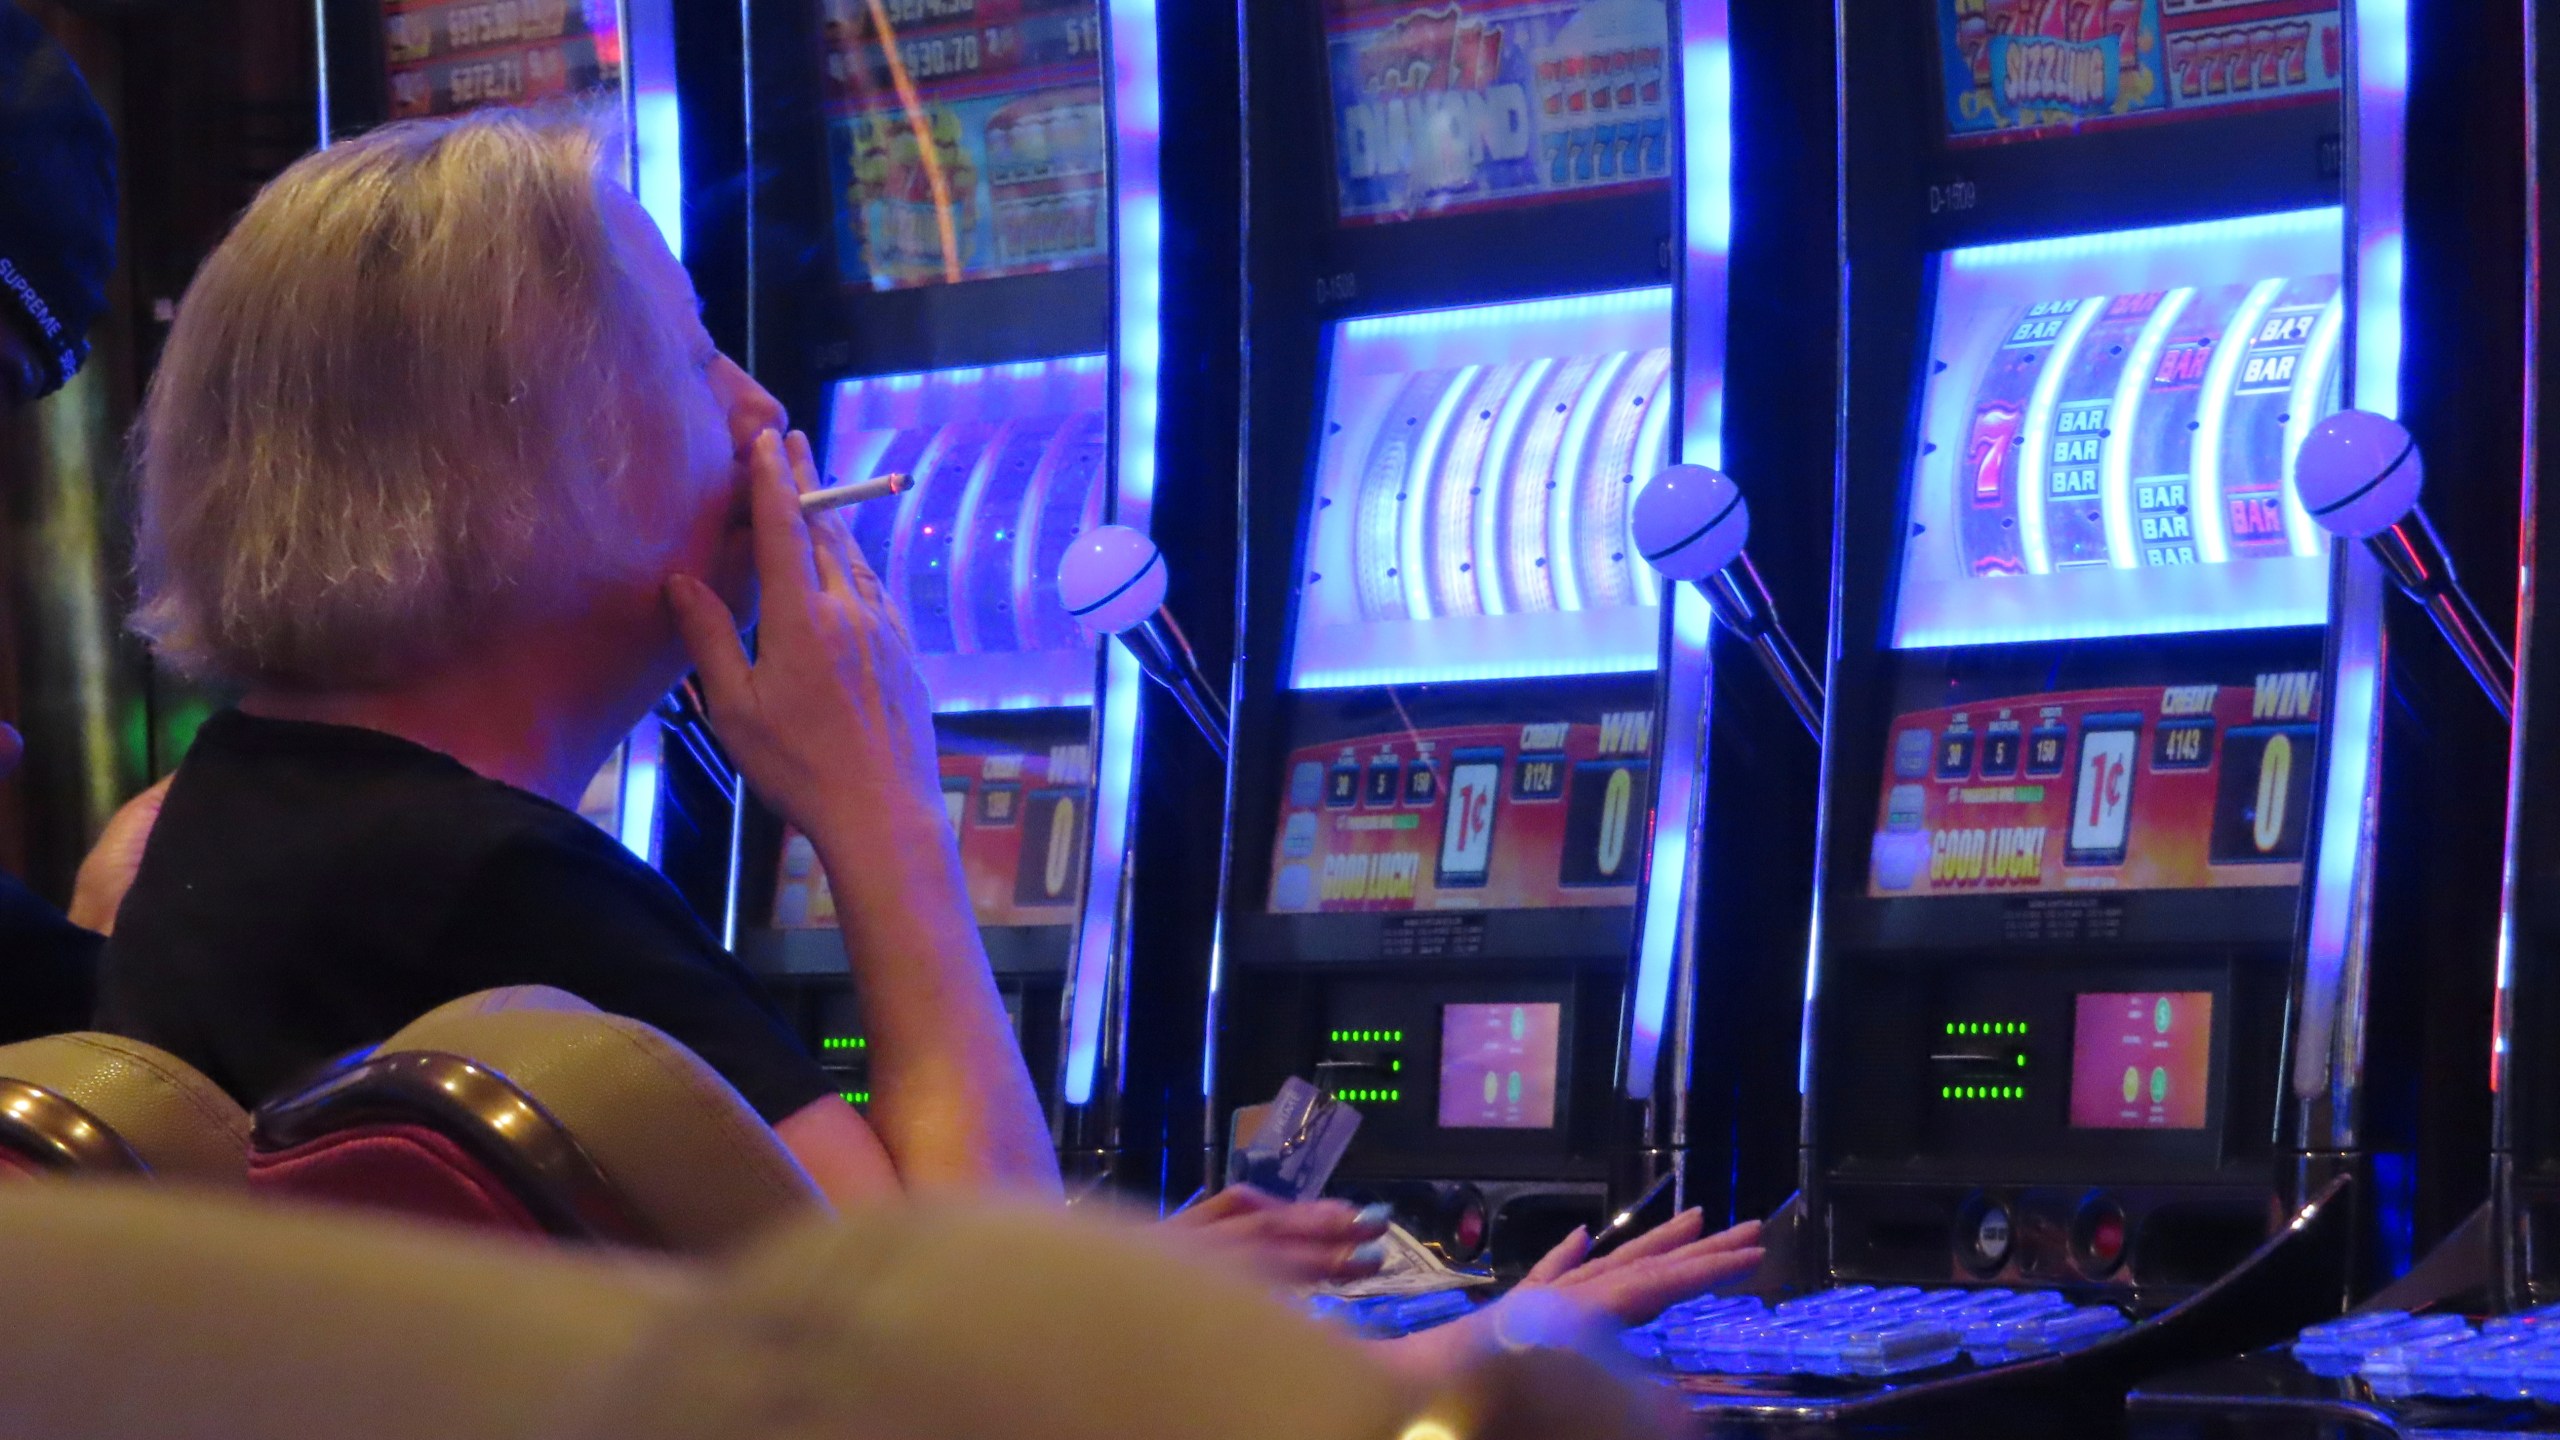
(1224, 1205)
(1636, 1293)
(784, 562)
(1739, 1237)
(1325, 1222)
(1556, 1263)
(1671, 1234)
(827, 533)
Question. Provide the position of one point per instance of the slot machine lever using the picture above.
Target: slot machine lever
(1112, 580)
(1690, 524)
(2359, 475)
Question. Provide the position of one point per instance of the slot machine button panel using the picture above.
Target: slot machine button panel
(2099, 1235)
(1985, 1234)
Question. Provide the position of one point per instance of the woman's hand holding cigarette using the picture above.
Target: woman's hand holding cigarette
(830, 722)
(838, 497)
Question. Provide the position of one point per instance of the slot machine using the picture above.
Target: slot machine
(2463, 1341)
(956, 245)
(2131, 895)
(1467, 777)
(385, 60)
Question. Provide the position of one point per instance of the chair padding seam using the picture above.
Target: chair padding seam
(740, 1140)
(186, 1086)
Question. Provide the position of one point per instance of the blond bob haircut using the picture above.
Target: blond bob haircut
(402, 402)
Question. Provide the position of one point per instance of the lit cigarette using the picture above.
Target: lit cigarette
(836, 497)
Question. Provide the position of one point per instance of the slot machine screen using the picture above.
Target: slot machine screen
(2141, 1061)
(1444, 108)
(1007, 462)
(1467, 529)
(444, 57)
(2018, 69)
(1498, 1066)
(2105, 451)
(2107, 434)
(965, 142)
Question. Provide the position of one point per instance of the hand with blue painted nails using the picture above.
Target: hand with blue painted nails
(1672, 1262)
(1308, 1242)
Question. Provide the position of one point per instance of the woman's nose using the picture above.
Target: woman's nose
(752, 408)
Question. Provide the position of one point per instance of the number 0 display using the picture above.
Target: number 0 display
(1616, 806)
(2275, 784)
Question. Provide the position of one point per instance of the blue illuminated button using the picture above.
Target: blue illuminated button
(2396, 1372)
(1906, 809)
(1306, 785)
(1911, 750)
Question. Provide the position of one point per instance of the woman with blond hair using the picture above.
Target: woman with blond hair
(441, 469)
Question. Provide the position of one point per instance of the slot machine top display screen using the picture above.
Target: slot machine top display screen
(1473, 482)
(2107, 434)
(446, 56)
(1008, 463)
(966, 139)
(1469, 716)
(2023, 69)
(1445, 108)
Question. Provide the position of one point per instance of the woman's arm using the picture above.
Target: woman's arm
(831, 725)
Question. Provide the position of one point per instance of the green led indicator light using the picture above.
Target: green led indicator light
(2022, 1062)
(1395, 1067)
(855, 1097)
(844, 1042)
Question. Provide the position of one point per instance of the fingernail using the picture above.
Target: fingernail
(1369, 1252)
(1378, 1214)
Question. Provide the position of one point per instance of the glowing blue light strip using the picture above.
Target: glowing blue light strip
(1503, 315)
(2205, 234)
(652, 114)
(2340, 926)
(644, 757)
(1706, 225)
(2038, 433)
(2382, 102)
(1098, 929)
(2115, 467)
(1137, 259)
(1653, 440)
(2309, 404)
